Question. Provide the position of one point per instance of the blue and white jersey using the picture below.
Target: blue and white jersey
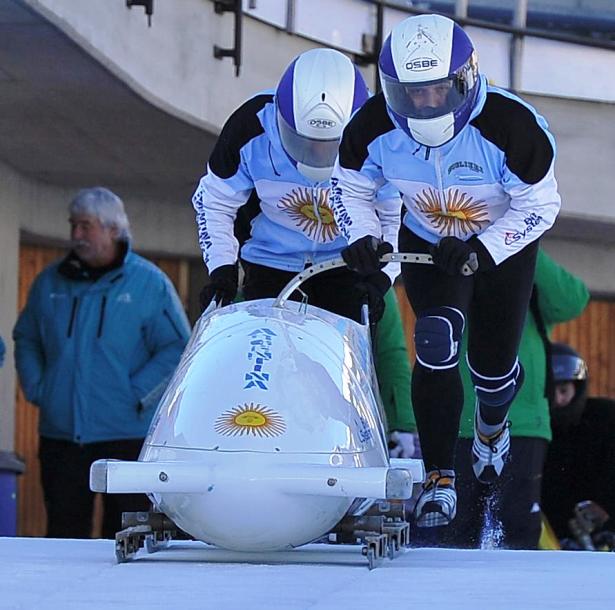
(295, 225)
(495, 179)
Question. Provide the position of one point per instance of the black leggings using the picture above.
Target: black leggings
(65, 475)
(333, 290)
(494, 304)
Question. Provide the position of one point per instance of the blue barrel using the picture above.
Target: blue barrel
(10, 466)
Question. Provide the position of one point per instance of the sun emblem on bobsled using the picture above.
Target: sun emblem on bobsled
(250, 419)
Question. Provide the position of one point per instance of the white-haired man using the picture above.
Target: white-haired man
(97, 342)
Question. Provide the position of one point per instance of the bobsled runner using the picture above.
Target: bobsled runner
(269, 436)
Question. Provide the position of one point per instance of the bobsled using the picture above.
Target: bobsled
(269, 436)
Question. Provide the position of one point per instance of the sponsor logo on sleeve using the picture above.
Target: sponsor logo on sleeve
(342, 218)
(531, 222)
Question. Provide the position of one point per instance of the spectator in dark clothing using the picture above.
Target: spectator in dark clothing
(580, 462)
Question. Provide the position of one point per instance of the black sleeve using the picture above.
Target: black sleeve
(241, 127)
(513, 128)
(368, 123)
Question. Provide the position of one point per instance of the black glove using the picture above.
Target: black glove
(363, 255)
(451, 253)
(222, 286)
(374, 286)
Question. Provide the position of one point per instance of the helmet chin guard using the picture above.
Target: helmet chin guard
(432, 132)
(315, 174)
(429, 77)
(315, 99)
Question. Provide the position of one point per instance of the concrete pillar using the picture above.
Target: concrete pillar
(9, 264)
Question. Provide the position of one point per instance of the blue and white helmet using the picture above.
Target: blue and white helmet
(315, 99)
(429, 77)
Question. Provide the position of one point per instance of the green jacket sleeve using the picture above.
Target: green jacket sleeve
(561, 295)
(393, 367)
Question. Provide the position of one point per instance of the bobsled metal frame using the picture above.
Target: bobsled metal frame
(334, 263)
(383, 532)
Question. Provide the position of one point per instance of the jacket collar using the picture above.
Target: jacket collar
(73, 268)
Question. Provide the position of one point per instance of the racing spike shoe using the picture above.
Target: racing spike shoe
(489, 453)
(437, 504)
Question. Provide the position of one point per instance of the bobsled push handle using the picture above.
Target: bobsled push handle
(393, 257)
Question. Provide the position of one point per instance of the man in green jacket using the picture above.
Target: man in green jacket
(507, 513)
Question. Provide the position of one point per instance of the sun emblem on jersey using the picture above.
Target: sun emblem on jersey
(250, 420)
(453, 212)
(299, 204)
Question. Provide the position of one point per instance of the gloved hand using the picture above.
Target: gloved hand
(404, 445)
(374, 286)
(363, 255)
(222, 286)
(451, 253)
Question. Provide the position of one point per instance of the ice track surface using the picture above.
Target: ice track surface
(77, 574)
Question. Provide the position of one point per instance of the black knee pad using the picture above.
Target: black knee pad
(497, 391)
(437, 336)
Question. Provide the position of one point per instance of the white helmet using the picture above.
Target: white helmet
(315, 99)
(429, 77)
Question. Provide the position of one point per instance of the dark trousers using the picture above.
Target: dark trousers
(505, 514)
(494, 304)
(333, 290)
(65, 476)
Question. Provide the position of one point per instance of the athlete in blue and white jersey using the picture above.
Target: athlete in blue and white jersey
(279, 148)
(474, 164)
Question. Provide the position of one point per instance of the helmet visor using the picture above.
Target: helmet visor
(567, 367)
(425, 100)
(308, 151)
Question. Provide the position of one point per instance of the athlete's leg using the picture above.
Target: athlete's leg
(261, 282)
(440, 302)
(496, 320)
(337, 290)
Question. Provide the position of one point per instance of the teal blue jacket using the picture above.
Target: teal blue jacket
(95, 356)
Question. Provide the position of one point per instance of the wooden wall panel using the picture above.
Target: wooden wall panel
(592, 334)
(32, 520)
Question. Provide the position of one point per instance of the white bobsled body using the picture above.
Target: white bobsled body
(268, 431)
